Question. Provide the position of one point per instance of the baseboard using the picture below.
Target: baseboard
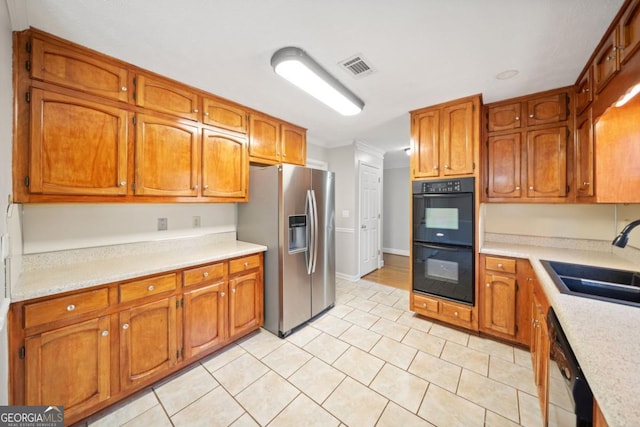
(402, 252)
(347, 277)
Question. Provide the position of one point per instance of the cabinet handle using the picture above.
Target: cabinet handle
(222, 294)
(517, 117)
(585, 184)
(205, 274)
(246, 264)
(518, 188)
(206, 113)
(435, 168)
(195, 110)
(610, 58)
(500, 265)
(446, 166)
(205, 186)
(151, 288)
(125, 326)
(71, 307)
(105, 333)
(195, 187)
(585, 90)
(123, 183)
(123, 88)
(488, 285)
(531, 116)
(531, 188)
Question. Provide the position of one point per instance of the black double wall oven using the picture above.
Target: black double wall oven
(443, 239)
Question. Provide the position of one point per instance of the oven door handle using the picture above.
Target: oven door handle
(444, 248)
(431, 195)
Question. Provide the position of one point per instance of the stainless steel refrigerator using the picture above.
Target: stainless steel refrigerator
(291, 211)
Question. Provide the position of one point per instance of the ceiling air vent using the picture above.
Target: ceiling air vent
(357, 66)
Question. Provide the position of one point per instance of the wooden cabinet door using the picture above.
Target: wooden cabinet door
(606, 63)
(547, 162)
(425, 156)
(148, 341)
(264, 139)
(166, 96)
(167, 157)
(79, 70)
(584, 156)
(245, 303)
(78, 147)
(499, 304)
(548, 109)
(457, 144)
(225, 165)
(205, 314)
(224, 115)
(629, 32)
(584, 91)
(69, 366)
(294, 145)
(505, 158)
(504, 117)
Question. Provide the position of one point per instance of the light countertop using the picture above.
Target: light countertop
(53, 273)
(604, 336)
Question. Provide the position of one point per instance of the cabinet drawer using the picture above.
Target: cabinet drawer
(144, 288)
(203, 274)
(504, 265)
(65, 307)
(245, 263)
(426, 304)
(456, 312)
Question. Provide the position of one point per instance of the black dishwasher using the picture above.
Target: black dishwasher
(576, 408)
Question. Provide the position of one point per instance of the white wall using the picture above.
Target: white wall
(6, 116)
(396, 211)
(52, 227)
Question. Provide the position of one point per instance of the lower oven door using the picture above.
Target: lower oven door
(444, 271)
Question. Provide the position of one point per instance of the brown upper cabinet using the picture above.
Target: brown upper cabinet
(607, 61)
(272, 141)
(224, 115)
(77, 69)
(629, 31)
(444, 139)
(166, 96)
(91, 125)
(584, 91)
(527, 157)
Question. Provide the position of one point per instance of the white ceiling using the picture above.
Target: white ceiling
(423, 51)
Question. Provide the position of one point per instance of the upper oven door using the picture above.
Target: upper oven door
(443, 218)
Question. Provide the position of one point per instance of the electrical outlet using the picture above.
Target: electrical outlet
(163, 224)
(196, 221)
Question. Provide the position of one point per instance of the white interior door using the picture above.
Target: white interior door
(370, 178)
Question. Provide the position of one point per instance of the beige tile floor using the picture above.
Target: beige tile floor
(368, 361)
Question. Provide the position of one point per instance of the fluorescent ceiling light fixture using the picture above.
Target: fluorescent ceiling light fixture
(295, 65)
(627, 96)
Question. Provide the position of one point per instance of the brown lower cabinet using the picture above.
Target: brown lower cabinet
(88, 349)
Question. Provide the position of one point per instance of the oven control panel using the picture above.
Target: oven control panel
(463, 185)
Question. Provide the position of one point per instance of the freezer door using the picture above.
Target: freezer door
(295, 288)
(323, 276)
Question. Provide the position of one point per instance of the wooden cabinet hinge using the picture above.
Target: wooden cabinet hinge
(28, 47)
(568, 132)
(21, 352)
(486, 190)
(27, 97)
(26, 181)
(568, 188)
(27, 65)
(182, 302)
(133, 186)
(473, 166)
(133, 119)
(516, 329)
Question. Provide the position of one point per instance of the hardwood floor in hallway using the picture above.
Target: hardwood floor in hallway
(394, 273)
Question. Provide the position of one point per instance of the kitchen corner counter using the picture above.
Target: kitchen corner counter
(53, 273)
(604, 336)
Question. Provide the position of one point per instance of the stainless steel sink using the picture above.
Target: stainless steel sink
(607, 284)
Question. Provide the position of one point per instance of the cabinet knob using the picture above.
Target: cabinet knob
(586, 184)
(205, 186)
(205, 274)
(585, 90)
(610, 58)
(71, 307)
(123, 88)
(435, 168)
(446, 166)
(531, 188)
(206, 113)
(123, 183)
(455, 313)
(424, 305)
(488, 285)
(125, 326)
(500, 265)
(105, 333)
(531, 116)
(246, 264)
(195, 110)
(518, 188)
(195, 187)
(233, 290)
(222, 294)
(151, 288)
(517, 117)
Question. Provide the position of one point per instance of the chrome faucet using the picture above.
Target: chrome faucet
(622, 238)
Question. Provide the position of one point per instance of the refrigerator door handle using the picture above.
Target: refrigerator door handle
(309, 212)
(315, 230)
